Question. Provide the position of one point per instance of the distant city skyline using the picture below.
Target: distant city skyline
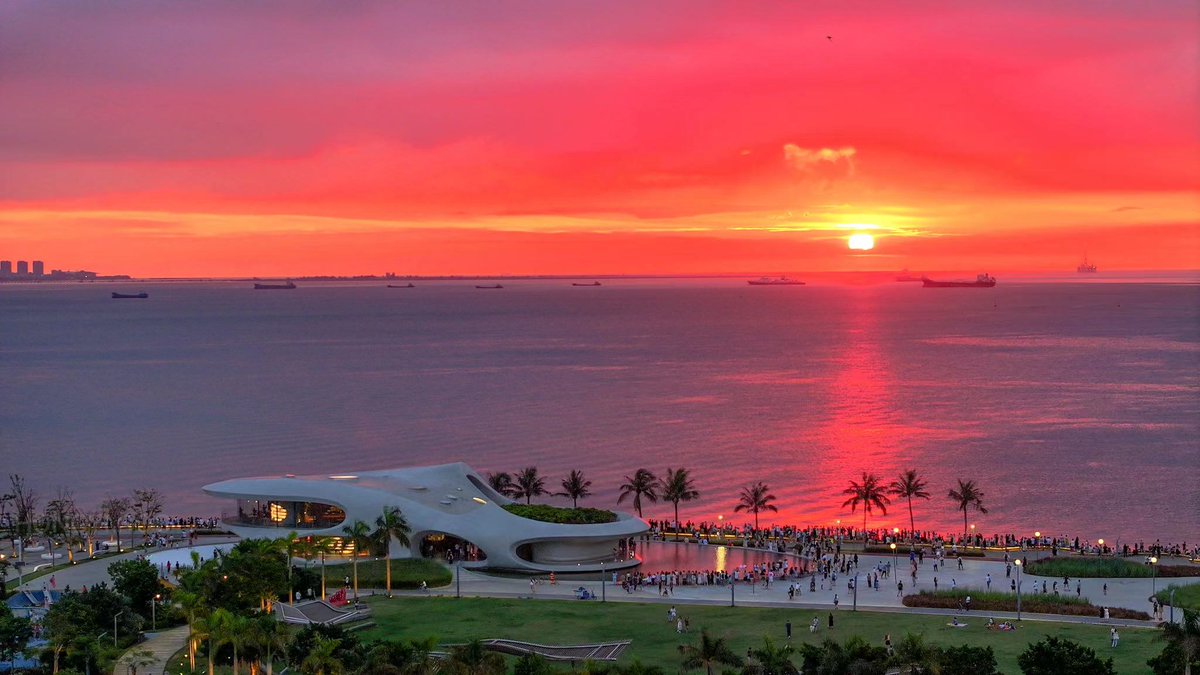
(623, 137)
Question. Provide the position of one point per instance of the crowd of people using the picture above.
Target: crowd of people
(781, 537)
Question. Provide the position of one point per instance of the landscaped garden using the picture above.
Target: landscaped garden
(656, 642)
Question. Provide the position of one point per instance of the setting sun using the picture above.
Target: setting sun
(861, 242)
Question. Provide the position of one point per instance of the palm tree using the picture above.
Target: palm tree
(756, 498)
(907, 486)
(360, 535)
(643, 484)
(772, 660)
(271, 635)
(419, 657)
(321, 659)
(1184, 636)
(710, 651)
(205, 628)
(501, 482)
(391, 525)
(678, 487)
(871, 494)
(222, 627)
(322, 546)
(287, 544)
(967, 494)
(915, 655)
(529, 484)
(241, 636)
(576, 487)
(473, 659)
(194, 608)
(138, 658)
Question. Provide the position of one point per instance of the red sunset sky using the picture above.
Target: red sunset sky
(232, 138)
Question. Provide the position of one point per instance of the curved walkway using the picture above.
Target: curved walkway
(162, 644)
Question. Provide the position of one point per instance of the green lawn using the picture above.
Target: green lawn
(655, 640)
(405, 573)
(1185, 596)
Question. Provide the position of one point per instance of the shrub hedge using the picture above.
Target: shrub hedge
(1098, 567)
(554, 514)
(983, 601)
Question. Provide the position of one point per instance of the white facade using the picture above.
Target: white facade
(449, 499)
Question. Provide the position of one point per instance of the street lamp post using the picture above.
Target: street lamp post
(854, 608)
(1153, 575)
(603, 579)
(154, 611)
(894, 570)
(1037, 542)
(1171, 601)
(1017, 562)
(1100, 549)
(458, 579)
(115, 617)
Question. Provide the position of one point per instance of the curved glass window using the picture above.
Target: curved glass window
(290, 515)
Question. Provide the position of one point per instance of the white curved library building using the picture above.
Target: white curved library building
(449, 508)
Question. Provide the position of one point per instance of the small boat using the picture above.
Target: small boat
(981, 281)
(1086, 267)
(775, 281)
(275, 287)
(594, 283)
(408, 285)
(494, 286)
(117, 296)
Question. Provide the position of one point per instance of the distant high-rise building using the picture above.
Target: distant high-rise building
(5, 267)
(22, 267)
(39, 268)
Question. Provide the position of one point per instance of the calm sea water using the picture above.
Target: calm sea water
(1075, 406)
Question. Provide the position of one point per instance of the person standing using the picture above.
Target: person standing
(989, 581)
(1114, 638)
(831, 621)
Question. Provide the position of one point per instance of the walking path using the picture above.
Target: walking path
(162, 644)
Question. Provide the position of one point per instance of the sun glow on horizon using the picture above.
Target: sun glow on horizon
(861, 241)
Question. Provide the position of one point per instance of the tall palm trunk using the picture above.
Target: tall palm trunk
(355, 574)
(912, 527)
(210, 656)
(388, 565)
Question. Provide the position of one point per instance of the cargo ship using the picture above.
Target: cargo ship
(981, 281)
(408, 285)
(775, 281)
(493, 286)
(275, 287)
(118, 296)
(594, 283)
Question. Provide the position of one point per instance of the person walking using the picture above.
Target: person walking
(1114, 637)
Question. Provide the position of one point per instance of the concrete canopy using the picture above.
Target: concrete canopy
(449, 499)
